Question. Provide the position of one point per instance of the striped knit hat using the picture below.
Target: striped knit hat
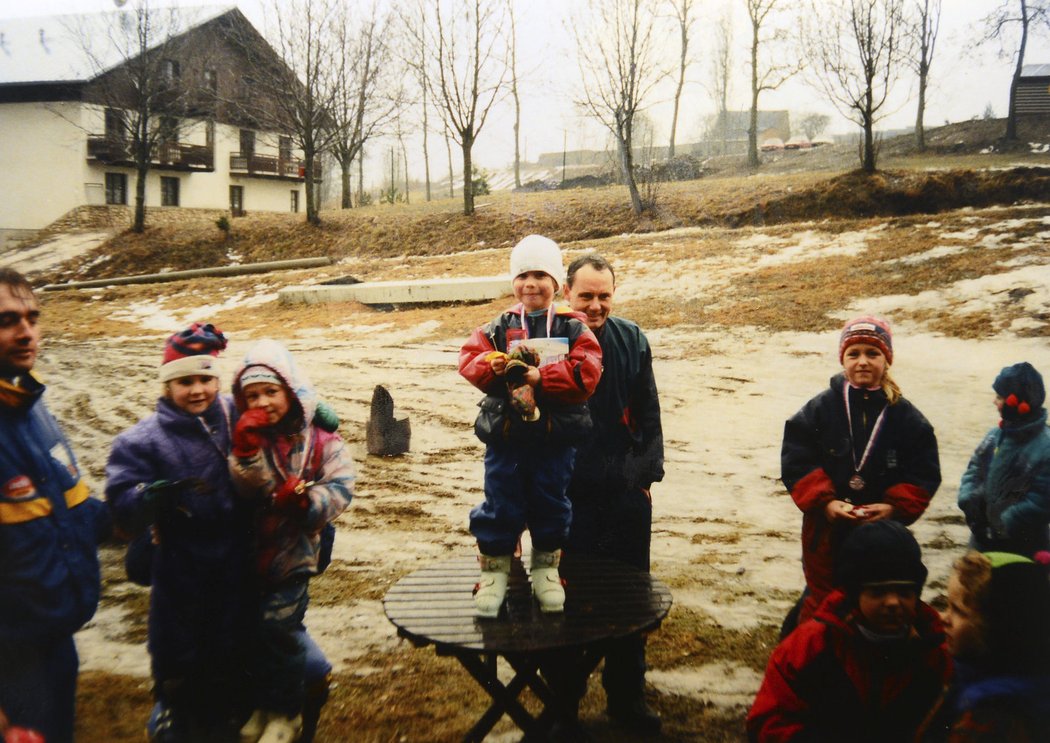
(871, 330)
(192, 352)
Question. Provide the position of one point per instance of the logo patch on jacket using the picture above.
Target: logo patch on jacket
(19, 487)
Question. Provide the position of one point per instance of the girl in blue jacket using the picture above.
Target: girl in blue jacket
(168, 475)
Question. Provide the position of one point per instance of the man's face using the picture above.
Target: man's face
(19, 332)
(592, 294)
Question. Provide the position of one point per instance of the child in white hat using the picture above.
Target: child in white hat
(537, 364)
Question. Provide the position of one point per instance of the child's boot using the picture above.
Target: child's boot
(546, 582)
(252, 730)
(492, 586)
(281, 729)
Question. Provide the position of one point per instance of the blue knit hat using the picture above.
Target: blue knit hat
(1021, 388)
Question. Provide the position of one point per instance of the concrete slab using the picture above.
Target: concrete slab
(467, 289)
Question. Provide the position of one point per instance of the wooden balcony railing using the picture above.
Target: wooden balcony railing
(266, 166)
(166, 156)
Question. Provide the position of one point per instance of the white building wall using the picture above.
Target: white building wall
(45, 171)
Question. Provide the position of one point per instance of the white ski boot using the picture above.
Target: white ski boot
(546, 582)
(492, 586)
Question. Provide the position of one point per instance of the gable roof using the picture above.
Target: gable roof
(76, 48)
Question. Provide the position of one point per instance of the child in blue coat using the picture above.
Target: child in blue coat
(168, 476)
(1005, 491)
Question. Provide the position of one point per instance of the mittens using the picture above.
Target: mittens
(247, 434)
(291, 496)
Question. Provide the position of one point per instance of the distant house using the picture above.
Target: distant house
(1033, 90)
(63, 145)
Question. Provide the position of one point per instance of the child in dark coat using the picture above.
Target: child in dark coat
(998, 628)
(168, 474)
(1005, 491)
(538, 363)
(872, 662)
(855, 453)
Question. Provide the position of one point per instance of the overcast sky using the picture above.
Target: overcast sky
(965, 80)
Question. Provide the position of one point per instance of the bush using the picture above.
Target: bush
(223, 223)
(479, 182)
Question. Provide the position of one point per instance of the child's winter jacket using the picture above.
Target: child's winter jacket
(200, 592)
(1005, 491)
(288, 543)
(827, 682)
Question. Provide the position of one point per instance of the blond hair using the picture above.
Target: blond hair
(890, 387)
(974, 572)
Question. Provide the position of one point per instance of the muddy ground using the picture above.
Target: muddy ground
(743, 328)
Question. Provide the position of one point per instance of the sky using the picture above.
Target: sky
(965, 79)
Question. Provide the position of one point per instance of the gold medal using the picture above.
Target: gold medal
(856, 482)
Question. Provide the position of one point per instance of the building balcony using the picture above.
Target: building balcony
(265, 166)
(166, 156)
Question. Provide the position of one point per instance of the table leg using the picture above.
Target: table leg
(504, 697)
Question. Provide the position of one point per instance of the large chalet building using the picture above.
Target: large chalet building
(64, 129)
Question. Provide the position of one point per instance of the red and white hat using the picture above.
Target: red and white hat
(192, 352)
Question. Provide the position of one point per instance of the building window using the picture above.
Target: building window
(209, 134)
(211, 80)
(237, 201)
(247, 142)
(168, 130)
(116, 188)
(115, 128)
(170, 70)
(284, 149)
(169, 191)
(295, 201)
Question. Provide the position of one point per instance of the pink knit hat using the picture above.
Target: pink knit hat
(867, 329)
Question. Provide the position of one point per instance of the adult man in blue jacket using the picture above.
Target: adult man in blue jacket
(49, 531)
(611, 503)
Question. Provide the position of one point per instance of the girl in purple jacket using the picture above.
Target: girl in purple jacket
(168, 476)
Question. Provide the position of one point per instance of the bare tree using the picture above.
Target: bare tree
(721, 67)
(813, 124)
(366, 97)
(514, 93)
(620, 68)
(927, 23)
(416, 46)
(147, 91)
(856, 49)
(297, 90)
(683, 14)
(764, 77)
(470, 69)
(1024, 14)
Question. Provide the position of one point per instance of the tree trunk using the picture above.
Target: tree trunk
(404, 156)
(678, 91)
(869, 147)
(347, 201)
(752, 131)
(468, 171)
(360, 177)
(139, 224)
(1011, 115)
(920, 132)
(451, 173)
(627, 166)
(312, 215)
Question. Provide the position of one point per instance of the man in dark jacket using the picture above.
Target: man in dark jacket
(49, 529)
(615, 468)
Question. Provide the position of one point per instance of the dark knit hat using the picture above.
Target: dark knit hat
(191, 352)
(1017, 614)
(1021, 388)
(879, 552)
(867, 329)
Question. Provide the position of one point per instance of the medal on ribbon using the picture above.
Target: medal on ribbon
(857, 482)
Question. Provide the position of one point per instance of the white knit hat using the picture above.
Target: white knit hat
(537, 253)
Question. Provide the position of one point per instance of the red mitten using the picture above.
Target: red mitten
(291, 496)
(247, 436)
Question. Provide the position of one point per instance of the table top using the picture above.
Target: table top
(604, 600)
